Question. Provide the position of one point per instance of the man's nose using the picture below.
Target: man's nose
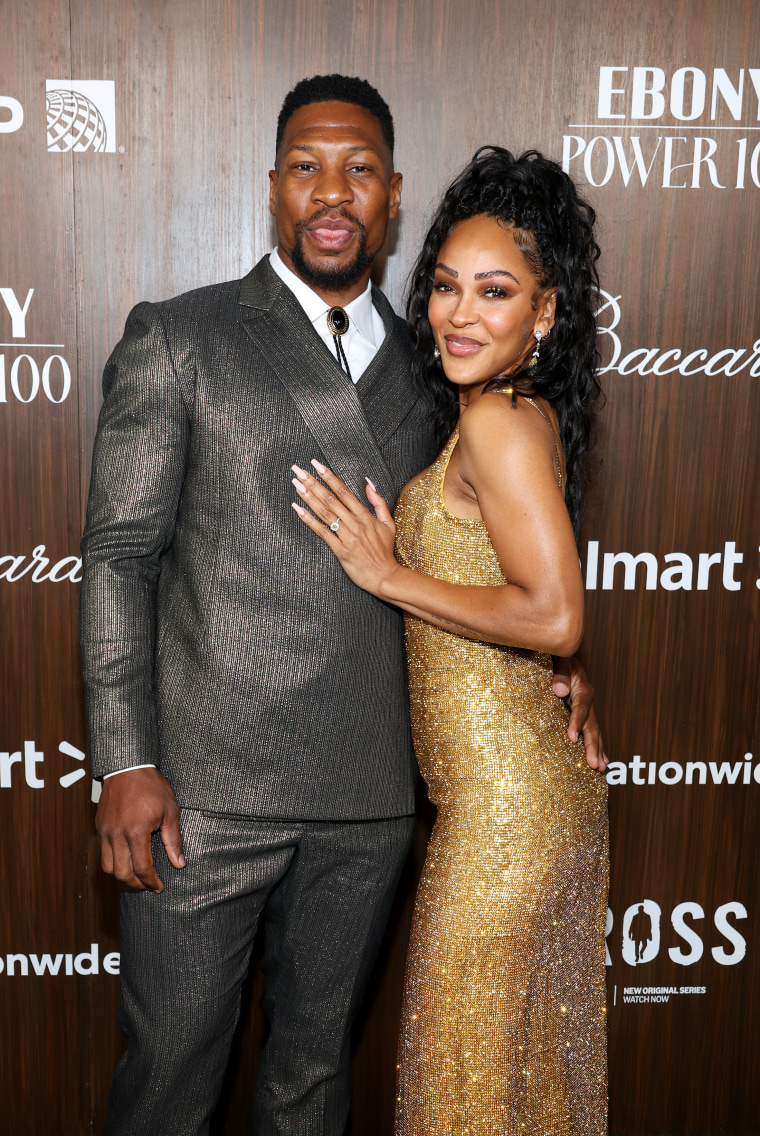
(332, 188)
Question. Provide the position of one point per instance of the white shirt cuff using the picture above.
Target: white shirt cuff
(116, 772)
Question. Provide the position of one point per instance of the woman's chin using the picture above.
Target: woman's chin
(461, 375)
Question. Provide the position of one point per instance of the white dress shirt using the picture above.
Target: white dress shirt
(365, 334)
(366, 331)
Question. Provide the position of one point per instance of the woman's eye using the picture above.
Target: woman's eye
(495, 292)
(441, 286)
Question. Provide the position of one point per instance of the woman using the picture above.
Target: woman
(503, 1027)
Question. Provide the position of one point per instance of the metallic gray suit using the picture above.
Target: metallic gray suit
(223, 642)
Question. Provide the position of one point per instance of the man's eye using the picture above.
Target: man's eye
(359, 169)
(303, 166)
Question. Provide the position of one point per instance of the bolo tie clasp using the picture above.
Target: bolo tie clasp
(337, 323)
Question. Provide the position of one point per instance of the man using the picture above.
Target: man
(225, 647)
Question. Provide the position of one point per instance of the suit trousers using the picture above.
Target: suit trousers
(323, 891)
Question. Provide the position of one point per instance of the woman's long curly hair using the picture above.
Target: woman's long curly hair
(553, 229)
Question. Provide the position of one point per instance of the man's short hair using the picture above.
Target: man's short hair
(336, 88)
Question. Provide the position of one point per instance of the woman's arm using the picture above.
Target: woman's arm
(506, 455)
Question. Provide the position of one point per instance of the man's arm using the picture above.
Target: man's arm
(572, 682)
(138, 469)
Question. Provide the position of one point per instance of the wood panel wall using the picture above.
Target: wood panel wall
(181, 202)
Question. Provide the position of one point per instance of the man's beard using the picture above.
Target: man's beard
(330, 278)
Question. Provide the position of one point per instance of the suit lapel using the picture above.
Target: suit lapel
(327, 400)
(385, 389)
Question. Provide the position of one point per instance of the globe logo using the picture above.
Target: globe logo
(74, 123)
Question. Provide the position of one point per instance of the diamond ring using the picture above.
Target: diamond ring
(335, 525)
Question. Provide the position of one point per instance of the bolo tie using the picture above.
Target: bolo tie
(337, 322)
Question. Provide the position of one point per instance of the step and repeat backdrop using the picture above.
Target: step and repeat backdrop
(135, 141)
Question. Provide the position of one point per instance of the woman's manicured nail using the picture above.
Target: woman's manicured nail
(300, 485)
(301, 512)
(318, 466)
(371, 484)
(301, 472)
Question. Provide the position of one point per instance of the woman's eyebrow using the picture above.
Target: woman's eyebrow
(496, 272)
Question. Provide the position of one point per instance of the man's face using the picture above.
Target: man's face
(332, 194)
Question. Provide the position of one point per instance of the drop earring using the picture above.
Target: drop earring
(534, 357)
(436, 352)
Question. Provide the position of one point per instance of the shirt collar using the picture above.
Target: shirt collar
(359, 310)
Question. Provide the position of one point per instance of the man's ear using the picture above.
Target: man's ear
(274, 179)
(395, 194)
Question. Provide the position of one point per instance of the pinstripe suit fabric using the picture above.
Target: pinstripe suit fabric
(220, 640)
(185, 953)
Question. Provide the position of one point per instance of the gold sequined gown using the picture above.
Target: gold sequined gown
(503, 1028)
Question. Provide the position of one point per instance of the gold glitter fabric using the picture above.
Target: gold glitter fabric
(503, 1030)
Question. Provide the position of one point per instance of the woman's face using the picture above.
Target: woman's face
(485, 304)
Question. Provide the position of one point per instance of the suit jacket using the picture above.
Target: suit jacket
(220, 638)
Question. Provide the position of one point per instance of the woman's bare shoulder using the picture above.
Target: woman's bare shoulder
(495, 423)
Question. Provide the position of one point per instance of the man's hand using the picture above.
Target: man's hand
(132, 806)
(571, 682)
